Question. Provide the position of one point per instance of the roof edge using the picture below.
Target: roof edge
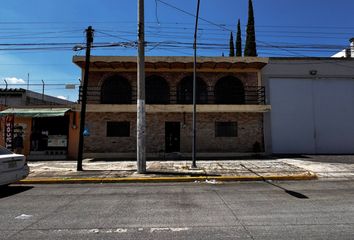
(171, 59)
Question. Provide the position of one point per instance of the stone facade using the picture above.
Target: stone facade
(173, 70)
(249, 130)
(96, 80)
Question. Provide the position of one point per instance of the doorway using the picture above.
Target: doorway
(172, 137)
(49, 138)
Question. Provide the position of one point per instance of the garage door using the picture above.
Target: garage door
(312, 116)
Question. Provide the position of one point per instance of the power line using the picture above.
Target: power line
(2, 24)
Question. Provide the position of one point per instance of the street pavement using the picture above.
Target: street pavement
(200, 210)
(307, 167)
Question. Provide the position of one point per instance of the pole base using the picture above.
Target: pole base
(194, 167)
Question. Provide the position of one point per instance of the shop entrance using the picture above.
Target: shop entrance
(49, 137)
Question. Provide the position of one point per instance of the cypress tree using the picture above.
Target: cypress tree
(250, 47)
(238, 40)
(232, 47)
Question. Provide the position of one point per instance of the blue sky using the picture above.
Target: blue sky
(283, 28)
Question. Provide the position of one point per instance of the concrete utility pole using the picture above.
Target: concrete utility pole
(141, 160)
(89, 41)
(194, 142)
(5, 92)
(28, 81)
(42, 90)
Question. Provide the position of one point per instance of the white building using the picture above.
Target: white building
(346, 53)
(312, 103)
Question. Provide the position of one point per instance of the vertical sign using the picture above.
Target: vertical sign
(9, 131)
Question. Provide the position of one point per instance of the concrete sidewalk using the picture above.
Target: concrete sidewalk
(326, 167)
(166, 171)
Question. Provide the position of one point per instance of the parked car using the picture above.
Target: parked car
(13, 167)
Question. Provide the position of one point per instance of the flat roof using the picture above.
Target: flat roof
(312, 58)
(170, 62)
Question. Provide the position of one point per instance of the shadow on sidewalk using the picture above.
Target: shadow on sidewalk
(173, 173)
(129, 172)
(181, 158)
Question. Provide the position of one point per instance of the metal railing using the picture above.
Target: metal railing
(250, 95)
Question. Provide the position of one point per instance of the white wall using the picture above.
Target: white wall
(297, 98)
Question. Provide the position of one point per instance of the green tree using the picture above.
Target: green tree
(238, 40)
(250, 47)
(232, 47)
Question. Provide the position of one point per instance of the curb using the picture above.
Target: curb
(306, 176)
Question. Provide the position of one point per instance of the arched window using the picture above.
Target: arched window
(157, 90)
(185, 91)
(229, 90)
(116, 90)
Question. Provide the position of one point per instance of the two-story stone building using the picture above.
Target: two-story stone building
(230, 106)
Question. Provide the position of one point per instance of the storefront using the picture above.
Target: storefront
(45, 133)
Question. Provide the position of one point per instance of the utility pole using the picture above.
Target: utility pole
(194, 142)
(5, 92)
(42, 90)
(89, 41)
(28, 81)
(140, 148)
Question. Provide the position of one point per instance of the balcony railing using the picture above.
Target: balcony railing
(250, 95)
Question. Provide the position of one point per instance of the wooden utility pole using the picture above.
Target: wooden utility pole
(194, 142)
(141, 122)
(89, 41)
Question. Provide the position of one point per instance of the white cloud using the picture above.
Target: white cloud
(62, 97)
(14, 80)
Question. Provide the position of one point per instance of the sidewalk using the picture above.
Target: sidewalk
(166, 171)
(326, 167)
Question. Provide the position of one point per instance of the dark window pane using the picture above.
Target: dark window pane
(185, 91)
(116, 90)
(225, 129)
(157, 90)
(229, 90)
(118, 129)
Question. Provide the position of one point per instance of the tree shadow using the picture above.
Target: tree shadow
(7, 191)
(290, 192)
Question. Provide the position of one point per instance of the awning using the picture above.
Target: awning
(35, 112)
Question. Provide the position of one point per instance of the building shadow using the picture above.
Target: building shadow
(292, 156)
(177, 158)
(172, 173)
(330, 158)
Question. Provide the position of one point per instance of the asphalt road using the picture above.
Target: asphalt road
(247, 210)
